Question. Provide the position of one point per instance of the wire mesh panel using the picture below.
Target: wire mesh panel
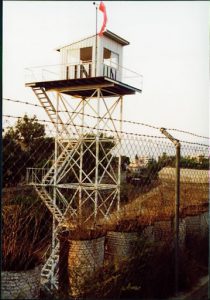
(24, 285)
(136, 198)
(121, 245)
(84, 257)
(205, 223)
(163, 231)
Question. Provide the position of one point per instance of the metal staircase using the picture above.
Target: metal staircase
(59, 164)
(49, 107)
(53, 208)
(50, 267)
(49, 270)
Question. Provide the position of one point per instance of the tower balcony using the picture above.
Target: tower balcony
(85, 71)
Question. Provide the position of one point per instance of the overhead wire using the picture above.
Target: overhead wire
(108, 130)
(93, 128)
(114, 119)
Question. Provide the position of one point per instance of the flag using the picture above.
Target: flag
(102, 8)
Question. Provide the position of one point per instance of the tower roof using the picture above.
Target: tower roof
(116, 38)
(106, 33)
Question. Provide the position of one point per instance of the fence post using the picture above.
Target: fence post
(177, 204)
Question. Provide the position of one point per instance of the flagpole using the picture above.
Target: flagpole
(96, 44)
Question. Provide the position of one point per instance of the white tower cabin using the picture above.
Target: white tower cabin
(83, 98)
(93, 57)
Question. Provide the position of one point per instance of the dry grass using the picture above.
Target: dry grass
(81, 233)
(159, 202)
(26, 232)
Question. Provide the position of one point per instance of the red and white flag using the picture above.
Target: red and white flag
(102, 8)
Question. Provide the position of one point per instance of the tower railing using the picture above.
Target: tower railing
(35, 175)
(83, 70)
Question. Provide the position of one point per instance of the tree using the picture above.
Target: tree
(125, 161)
(201, 162)
(26, 131)
(153, 168)
(13, 157)
(24, 145)
(186, 162)
(166, 160)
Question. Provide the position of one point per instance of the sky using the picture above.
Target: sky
(169, 47)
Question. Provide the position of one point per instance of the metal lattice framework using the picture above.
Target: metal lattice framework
(81, 182)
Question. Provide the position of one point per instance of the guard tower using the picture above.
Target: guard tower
(83, 98)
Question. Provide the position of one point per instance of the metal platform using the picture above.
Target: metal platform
(83, 87)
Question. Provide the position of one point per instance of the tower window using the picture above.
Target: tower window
(111, 58)
(86, 54)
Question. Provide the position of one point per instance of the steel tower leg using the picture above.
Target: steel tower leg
(119, 159)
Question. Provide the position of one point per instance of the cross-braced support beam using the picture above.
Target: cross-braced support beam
(82, 186)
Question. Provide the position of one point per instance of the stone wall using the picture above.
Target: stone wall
(21, 285)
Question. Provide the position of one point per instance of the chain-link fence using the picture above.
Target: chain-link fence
(98, 213)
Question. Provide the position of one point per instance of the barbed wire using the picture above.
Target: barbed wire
(188, 132)
(34, 138)
(22, 102)
(114, 119)
(194, 143)
(93, 128)
(85, 114)
(109, 130)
